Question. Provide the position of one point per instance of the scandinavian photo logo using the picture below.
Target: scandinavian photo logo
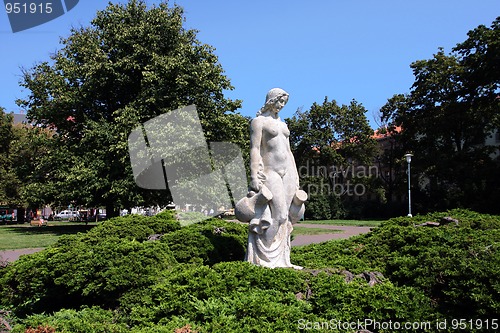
(25, 15)
(337, 180)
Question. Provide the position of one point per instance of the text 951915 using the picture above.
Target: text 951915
(28, 8)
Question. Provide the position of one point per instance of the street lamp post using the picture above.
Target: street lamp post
(408, 160)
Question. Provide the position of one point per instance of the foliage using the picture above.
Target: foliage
(132, 227)
(454, 266)
(466, 218)
(208, 242)
(333, 298)
(187, 218)
(21, 148)
(92, 268)
(186, 279)
(329, 142)
(130, 65)
(189, 287)
(240, 297)
(9, 182)
(324, 207)
(450, 112)
(6, 132)
(333, 254)
(331, 133)
(31, 160)
(374, 209)
(93, 319)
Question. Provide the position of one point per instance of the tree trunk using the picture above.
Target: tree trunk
(111, 210)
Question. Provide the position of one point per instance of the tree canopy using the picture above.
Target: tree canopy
(329, 141)
(131, 64)
(8, 179)
(448, 120)
(333, 132)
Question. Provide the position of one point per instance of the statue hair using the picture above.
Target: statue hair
(272, 96)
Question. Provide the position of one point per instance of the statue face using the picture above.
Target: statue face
(280, 103)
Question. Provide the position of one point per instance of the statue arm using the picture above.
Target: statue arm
(255, 157)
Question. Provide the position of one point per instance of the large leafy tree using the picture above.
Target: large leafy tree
(131, 64)
(480, 55)
(331, 132)
(9, 183)
(32, 162)
(446, 119)
(22, 147)
(331, 142)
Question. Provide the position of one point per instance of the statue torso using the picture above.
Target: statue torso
(275, 147)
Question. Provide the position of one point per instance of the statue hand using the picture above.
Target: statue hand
(255, 185)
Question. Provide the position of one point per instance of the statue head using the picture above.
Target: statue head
(272, 98)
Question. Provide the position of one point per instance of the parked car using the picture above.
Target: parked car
(67, 215)
(94, 218)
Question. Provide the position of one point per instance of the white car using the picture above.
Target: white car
(67, 215)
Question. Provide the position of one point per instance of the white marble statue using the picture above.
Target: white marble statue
(274, 201)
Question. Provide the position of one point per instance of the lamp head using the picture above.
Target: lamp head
(408, 157)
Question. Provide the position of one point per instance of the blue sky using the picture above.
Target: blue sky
(343, 49)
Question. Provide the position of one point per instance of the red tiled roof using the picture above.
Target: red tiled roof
(377, 135)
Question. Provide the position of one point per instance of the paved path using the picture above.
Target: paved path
(346, 232)
(13, 255)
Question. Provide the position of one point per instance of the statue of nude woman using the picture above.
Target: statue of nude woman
(274, 201)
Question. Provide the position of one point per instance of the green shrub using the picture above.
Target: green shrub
(240, 297)
(187, 218)
(466, 218)
(455, 266)
(185, 285)
(95, 320)
(135, 227)
(75, 274)
(332, 297)
(95, 268)
(253, 310)
(113, 260)
(333, 254)
(208, 242)
(194, 276)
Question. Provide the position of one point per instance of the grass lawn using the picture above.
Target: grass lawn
(355, 223)
(22, 236)
(298, 230)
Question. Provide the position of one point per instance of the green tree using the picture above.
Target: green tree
(131, 64)
(31, 160)
(9, 183)
(451, 110)
(331, 143)
(24, 156)
(480, 55)
(331, 132)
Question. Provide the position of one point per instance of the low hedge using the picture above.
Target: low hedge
(454, 265)
(117, 278)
